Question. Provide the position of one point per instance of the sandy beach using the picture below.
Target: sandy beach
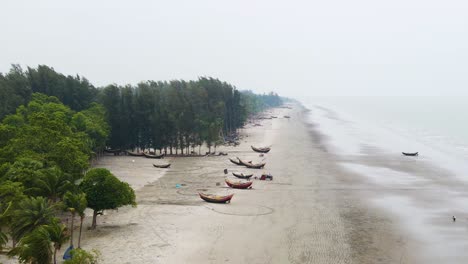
(320, 208)
(310, 213)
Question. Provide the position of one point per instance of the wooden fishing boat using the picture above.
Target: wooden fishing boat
(162, 166)
(410, 154)
(251, 165)
(136, 154)
(211, 198)
(261, 150)
(242, 175)
(256, 166)
(237, 162)
(112, 151)
(238, 184)
(149, 156)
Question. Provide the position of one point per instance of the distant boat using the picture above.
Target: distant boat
(112, 151)
(238, 184)
(162, 166)
(261, 150)
(286, 116)
(136, 154)
(149, 156)
(410, 154)
(211, 198)
(242, 175)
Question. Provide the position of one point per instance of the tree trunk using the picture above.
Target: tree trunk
(93, 225)
(79, 235)
(71, 229)
(55, 255)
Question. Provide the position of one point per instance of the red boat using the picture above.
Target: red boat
(211, 198)
(239, 184)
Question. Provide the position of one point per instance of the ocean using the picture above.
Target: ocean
(437, 127)
(421, 194)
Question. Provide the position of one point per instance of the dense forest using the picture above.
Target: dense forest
(160, 115)
(52, 125)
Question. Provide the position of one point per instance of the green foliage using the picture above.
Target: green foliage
(34, 248)
(42, 131)
(104, 191)
(80, 256)
(30, 214)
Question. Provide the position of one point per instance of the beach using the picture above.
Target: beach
(320, 207)
(313, 211)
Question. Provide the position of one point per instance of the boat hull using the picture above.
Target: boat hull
(215, 198)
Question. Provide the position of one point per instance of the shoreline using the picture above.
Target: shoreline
(314, 211)
(298, 209)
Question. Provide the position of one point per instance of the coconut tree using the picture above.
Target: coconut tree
(30, 214)
(58, 236)
(34, 248)
(75, 203)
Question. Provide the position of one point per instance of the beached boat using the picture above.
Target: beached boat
(242, 175)
(211, 198)
(112, 151)
(251, 165)
(149, 156)
(237, 162)
(256, 166)
(238, 184)
(162, 166)
(410, 153)
(136, 154)
(261, 150)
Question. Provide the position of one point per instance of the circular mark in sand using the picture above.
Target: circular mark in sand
(244, 210)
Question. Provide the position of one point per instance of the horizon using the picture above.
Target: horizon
(319, 49)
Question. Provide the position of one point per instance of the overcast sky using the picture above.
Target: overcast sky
(332, 47)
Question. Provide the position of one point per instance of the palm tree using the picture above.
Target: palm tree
(30, 214)
(75, 203)
(58, 236)
(52, 183)
(3, 236)
(34, 248)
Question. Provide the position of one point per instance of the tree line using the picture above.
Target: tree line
(169, 115)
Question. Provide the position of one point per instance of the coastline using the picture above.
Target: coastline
(308, 214)
(314, 211)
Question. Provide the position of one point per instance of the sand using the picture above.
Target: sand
(307, 214)
(318, 209)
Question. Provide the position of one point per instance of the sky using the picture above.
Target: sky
(295, 48)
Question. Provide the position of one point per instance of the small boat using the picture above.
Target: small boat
(136, 154)
(238, 184)
(112, 151)
(256, 166)
(410, 154)
(261, 150)
(162, 166)
(211, 198)
(250, 165)
(242, 175)
(149, 156)
(237, 162)
(286, 116)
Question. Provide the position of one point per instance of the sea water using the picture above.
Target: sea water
(359, 128)
(436, 127)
